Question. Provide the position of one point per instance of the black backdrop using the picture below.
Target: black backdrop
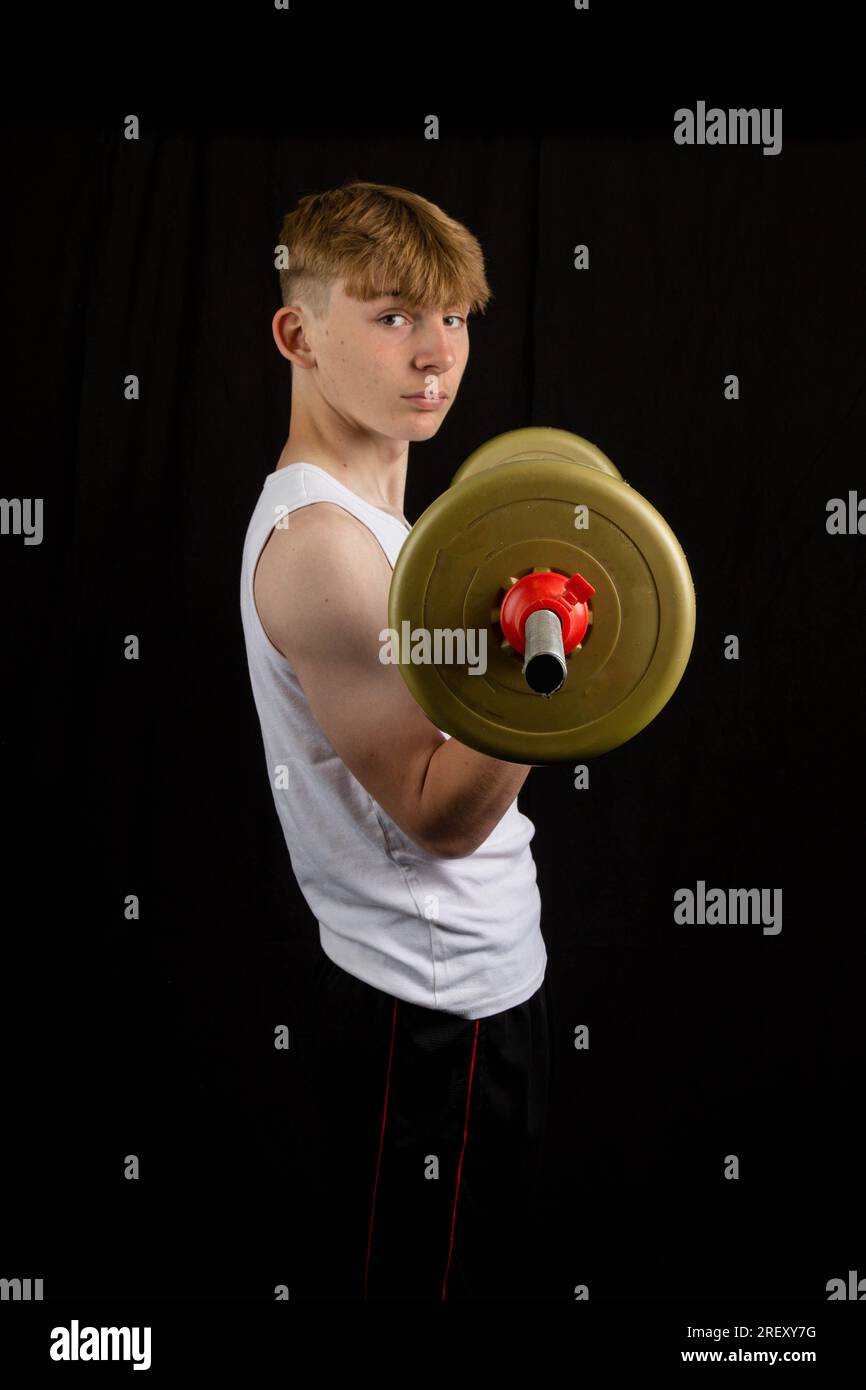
(154, 1036)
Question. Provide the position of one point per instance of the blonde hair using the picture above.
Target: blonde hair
(379, 239)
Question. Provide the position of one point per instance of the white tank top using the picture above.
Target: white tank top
(461, 935)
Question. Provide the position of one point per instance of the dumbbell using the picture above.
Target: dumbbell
(570, 585)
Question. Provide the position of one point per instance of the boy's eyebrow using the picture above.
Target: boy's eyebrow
(397, 294)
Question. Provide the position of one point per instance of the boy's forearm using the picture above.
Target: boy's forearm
(464, 796)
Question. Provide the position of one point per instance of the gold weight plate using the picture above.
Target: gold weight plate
(531, 443)
(467, 548)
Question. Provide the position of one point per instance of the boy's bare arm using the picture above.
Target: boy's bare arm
(321, 590)
(470, 791)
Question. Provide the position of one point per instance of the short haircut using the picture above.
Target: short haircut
(378, 239)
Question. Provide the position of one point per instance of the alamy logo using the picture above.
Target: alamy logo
(838, 1289)
(756, 126)
(734, 907)
(20, 1290)
(101, 1344)
(418, 646)
(22, 516)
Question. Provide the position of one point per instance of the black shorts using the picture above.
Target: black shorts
(428, 1135)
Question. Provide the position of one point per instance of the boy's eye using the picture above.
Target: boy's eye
(396, 315)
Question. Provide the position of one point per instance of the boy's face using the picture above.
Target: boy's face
(371, 357)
